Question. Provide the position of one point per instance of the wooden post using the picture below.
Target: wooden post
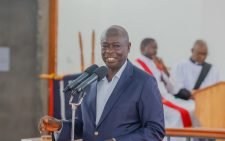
(52, 49)
(81, 52)
(93, 47)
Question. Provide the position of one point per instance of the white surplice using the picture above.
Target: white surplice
(186, 73)
(172, 117)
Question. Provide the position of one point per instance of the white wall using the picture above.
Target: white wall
(213, 31)
(175, 24)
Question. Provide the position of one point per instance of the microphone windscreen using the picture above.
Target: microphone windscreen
(101, 72)
(91, 69)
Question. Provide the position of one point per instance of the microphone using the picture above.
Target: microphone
(88, 72)
(98, 74)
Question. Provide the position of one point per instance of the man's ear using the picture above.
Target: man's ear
(129, 46)
(192, 50)
(142, 50)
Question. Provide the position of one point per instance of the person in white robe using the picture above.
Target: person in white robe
(178, 113)
(186, 73)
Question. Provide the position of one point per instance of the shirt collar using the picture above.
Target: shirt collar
(145, 58)
(119, 73)
(196, 63)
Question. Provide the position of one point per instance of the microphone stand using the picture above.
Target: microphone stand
(74, 105)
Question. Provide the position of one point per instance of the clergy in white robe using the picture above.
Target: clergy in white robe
(178, 113)
(186, 73)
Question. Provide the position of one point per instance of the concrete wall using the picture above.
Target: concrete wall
(21, 102)
(42, 50)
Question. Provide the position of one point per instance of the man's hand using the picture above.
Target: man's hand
(193, 94)
(160, 64)
(192, 97)
(157, 60)
(49, 124)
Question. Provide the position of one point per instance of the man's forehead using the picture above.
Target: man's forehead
(201, 50)
(201, 47)
(152, 43)
(113, 39)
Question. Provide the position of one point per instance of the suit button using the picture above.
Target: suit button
(96, 133)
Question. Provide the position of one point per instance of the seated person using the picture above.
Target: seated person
(194, 73)
(177, 112)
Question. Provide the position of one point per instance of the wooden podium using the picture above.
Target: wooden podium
(210, 106)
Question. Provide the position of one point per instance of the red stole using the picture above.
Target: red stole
(186, 119)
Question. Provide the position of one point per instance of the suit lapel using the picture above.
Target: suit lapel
(121, 86)
(91, 101)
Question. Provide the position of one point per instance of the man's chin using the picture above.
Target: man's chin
(112, 66)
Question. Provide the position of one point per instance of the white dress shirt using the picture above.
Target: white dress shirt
(104, 90)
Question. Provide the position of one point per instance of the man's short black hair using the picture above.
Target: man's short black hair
(115, 30)
(146, 41)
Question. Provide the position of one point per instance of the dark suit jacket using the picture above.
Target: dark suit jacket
(133, 112)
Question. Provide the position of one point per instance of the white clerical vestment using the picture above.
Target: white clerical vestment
(173, 118)
(186, 73)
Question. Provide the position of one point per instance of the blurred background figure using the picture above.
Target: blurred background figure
(194, 73)
(173, 108)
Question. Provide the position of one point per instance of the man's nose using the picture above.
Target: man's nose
(110, 49)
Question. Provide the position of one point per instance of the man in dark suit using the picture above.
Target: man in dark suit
(124, 106)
